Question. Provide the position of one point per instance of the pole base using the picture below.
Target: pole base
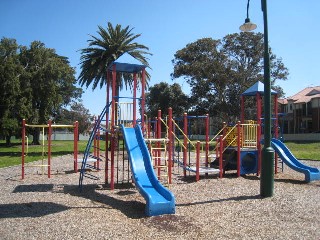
(267, 173)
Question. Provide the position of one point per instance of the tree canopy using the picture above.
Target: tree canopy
(111, 44)
(219, 71)
(77, 112)
(36, 83)
(162, 96)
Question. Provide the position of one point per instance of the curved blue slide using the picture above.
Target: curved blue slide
(311, 173)
(159, 200)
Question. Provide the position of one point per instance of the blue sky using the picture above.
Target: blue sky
(167, 26)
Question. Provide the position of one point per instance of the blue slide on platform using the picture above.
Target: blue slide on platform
(287, 157)
(159, 200)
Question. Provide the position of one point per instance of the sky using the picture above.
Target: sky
(167, 26)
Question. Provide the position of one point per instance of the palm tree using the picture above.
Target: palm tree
(111, 44)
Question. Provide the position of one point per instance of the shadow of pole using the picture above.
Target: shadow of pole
(240, 198)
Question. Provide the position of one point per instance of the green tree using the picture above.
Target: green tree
(12, 100)
(77, 112)
(112, 43)
(51, 79)
(218, 71)
(161, 96)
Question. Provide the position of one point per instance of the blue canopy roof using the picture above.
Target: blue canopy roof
(127, 67)
(258, 87)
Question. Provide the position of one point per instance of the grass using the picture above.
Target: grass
(10, 156)
(305, 150)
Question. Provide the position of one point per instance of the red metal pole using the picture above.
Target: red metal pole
(134, 99)
(239, 142)
(185, 142)
(23, 146)
(107, 135)
(49, 148)
(158, 144)
(113, 139)
(143, 83)
(95, 142)
(170, 143)
(242, 109)
(75, 146)
(198, 162)
(98, 145)
(258, 99)
(149, 129)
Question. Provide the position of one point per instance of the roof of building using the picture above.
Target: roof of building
(305, 95)
(282, 101)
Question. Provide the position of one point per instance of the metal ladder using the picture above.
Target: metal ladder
(87, 156)
(159, 158)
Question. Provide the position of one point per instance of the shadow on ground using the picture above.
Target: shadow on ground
(30, 209)
(33, 188)
(132, 209)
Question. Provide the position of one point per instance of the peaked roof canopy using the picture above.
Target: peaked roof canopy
(127, 67)
(258, 87)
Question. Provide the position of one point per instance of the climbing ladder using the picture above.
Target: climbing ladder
(159, 155)
(89, 158)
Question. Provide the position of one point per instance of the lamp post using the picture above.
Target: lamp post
(267, 163)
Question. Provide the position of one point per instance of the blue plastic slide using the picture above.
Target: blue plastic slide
(287, 157)
(159, 200)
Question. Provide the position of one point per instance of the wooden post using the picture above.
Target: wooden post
(185, 143)
(198, 161)
(170, 143)
(23, 147)
(239, 143)
(75, 146)
(49, 148)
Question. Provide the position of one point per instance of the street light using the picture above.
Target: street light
(267, 163)
(248, 26)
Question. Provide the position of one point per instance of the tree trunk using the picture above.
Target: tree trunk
(8, 140)
(36, 136)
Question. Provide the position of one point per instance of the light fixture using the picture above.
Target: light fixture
(248, 26)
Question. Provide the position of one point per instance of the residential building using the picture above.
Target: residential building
(301, 112)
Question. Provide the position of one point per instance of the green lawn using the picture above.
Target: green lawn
(305, 150)
(10, 156)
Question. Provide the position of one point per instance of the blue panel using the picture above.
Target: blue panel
(127, 67)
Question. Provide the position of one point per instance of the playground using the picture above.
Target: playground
(140, 178)
(221, 208)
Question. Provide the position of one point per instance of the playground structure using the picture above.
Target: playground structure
(46, 127)
(122, 131)
(236, 147)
